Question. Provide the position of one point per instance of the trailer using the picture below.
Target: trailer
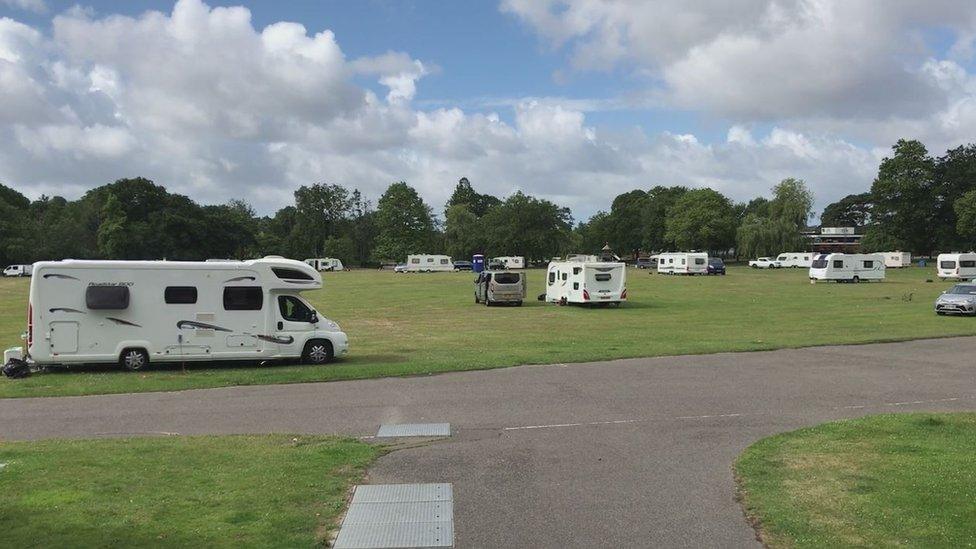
(957, 266)
(325, 264)
(847, 267)
(897, 260)
(795, 259)
(685, 263)
(427, 263)
(581, 280)
(139, 312)
(510, 261)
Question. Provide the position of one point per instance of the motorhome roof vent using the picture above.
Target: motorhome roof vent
(290, 274)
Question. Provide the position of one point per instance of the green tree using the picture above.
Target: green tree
(854, 210)
(654, 217)
(702, 219)
(15, 227)
(625, 222)
(464, 194)
(904, 202)
(780, 229)
(594, 234)
(404, 223)
(112, 230)
(965, 210)
(524, 225)
(320, 209)
(462, 232)
(955, 176)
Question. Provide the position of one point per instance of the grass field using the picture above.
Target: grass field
(423, 323)
(884, 481)
(237, 491)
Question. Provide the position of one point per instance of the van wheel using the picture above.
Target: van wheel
(317, 351)
(134, 359)
(856, 279)
(476, 300)
(487, 302)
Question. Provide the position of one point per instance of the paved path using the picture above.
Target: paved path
(629, 453)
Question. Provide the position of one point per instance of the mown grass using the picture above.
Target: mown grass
(425, 323)
(884, 481)
(232, 491)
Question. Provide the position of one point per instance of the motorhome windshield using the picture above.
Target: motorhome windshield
(819, 263)
(963, 289)
(507, 278)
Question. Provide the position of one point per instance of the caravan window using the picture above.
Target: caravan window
(415, 260)
(838, 263)
(699, 261)
(565, 275)
(443, 261)
(576, 270)
(967, 263)
(430, 260)
(947, 264)
(869, 264)
(819, 263)
(107, 297)
(552, 277)
(180, 294)
(293, 309)
(602, 277)
(290, 274)
(243, 298)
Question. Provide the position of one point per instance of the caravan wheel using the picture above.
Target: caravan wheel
(134, 359)
(856, 279)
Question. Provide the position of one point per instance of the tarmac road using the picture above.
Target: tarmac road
(628, 453)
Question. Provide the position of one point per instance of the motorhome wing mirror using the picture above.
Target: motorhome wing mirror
(314, 319)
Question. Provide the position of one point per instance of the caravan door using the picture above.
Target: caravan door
(293, 320)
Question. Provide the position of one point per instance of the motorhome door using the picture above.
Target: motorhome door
(293, 320)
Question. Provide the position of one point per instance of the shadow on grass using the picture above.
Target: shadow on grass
(196, 366)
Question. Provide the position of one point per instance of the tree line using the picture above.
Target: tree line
(916, 203)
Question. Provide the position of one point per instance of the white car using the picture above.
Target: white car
(765, 263)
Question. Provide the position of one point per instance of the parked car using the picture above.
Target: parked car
(400, 268)
(715, 266)
(960, 300)
(493, 287)
(645, 263)
(463, 266)
(765, 263)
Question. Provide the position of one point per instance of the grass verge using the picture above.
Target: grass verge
(426, 323)
(881, 481)
(230, 491)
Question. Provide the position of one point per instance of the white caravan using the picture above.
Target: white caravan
(511, 262)
(691, 263)
(325, 264)
(18, 270)
(579, 280)
(957, 266)
(139, 312)
(795, 259)
(897, 260)
(848, 267)
(424, 263)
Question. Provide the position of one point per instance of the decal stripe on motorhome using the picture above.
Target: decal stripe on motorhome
(280, 340)
(240, 278)
(201, 325)
(55, 275)
(66, 310)
(123, 322)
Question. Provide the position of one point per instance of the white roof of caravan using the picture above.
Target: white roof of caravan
(269, 261)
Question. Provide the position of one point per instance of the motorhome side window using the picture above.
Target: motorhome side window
(869, 264)
(947, 265)
(699, 261)
(243, 298)
(415, 260)
(967, 263)
(293, 309)
(107, 297)
(838, 263)
(290, 274)
(180, 294)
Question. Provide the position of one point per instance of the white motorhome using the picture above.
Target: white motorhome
(18, 270)
(511, 262)
(325, 264)
(957, 266)
(686, 263)
(425, 263)
(795, 259)
(139, 312)
(897, 260)
(847, 267)
(580, 279)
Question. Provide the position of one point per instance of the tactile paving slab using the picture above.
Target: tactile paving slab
(414, 430)
(399, 516)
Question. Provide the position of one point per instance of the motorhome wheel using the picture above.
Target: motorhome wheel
(317, 351)
(134, 359)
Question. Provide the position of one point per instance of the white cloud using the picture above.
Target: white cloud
(210, 106)
(36, 6)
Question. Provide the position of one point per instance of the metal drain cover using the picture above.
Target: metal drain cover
(400, 516)
(414, 430)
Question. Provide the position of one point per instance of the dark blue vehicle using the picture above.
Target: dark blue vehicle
(462, 266)
(715, 266)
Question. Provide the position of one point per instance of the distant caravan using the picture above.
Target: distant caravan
(325, 264)
(511, 261)
(685, 263)
(795, 259)
(847, 267)
(586, 280)
(426, 263)
(897, 260)
(957, 266)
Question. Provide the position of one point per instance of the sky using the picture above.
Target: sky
(575, 101)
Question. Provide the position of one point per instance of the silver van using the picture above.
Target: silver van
(491, 287)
